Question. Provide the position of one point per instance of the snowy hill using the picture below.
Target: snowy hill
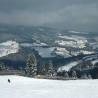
(72, 41)
(67, 67)
(22, 87)
(8, 47)
(68, 43)
(46, 43)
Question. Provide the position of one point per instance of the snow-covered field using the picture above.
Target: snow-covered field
(22, 87)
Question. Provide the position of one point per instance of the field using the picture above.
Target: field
(23, 87)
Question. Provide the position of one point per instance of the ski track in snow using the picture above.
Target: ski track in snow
(23, 87)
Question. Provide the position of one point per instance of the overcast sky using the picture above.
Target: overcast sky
(80, 15)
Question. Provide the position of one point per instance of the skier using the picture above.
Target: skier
(9, 81)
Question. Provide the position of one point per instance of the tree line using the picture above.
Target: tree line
(48, 70)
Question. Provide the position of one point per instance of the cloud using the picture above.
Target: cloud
(78, 15)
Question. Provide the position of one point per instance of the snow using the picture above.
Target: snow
(95, 61)
(86, 52)
(68, 66)
(74, 44)
(62, 52)
(74, 38)
(75, 32)
(26, 45)
(72, 41)
(8, 47)
(33, 44)
(22, 87)
(39, 44)
(41, 29)
(67, 46)
(45, 52)
(75, 53)
(54, 51)
(91, 57)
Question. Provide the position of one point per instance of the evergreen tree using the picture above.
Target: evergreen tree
(66, 75)
(43, 70)
(51, 71)
(84, 76)
(31, 68)
(74, 74)
(2, 66)
(89, 76)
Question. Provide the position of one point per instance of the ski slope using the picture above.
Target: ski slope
(22, 87)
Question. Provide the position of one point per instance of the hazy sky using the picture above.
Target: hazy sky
(80, 15)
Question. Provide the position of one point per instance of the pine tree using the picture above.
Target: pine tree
(31, 68)
(74, 74)
(84, 76)
(66, 75)
(89, 76)
(44, 69)
(2, 66)
(51, 71)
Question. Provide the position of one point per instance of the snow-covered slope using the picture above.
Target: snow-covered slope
(68, 66)
(22, 87)
(61, 52)
(95, 61)
(72, 41)
(8, 47)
